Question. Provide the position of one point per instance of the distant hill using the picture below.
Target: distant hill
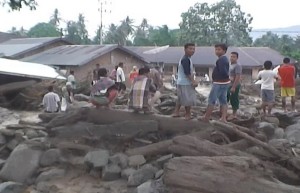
(292, 31)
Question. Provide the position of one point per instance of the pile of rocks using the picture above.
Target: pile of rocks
(98, 151)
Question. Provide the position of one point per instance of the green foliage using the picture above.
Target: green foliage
(43, 30)
(19, 4)
(285, 44)
(224, 22)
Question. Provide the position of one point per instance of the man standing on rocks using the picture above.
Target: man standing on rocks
(120, 77)
(267, 87)
(235, 72)
(186, 83)
(220, 77)
(287, 74)
(51, 101)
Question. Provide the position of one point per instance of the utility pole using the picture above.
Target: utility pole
(106, 11)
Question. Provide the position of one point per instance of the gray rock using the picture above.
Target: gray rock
(142, 175)
(21, 164)
(20, 133)
(279, 143)
(44, 187)
(119, 159)
(111, 172)
(31, 134)
(162, 160)
(136, 160)
(11, 187)
(7, 132)
(273, 120)
(50, 157)
(267, 128)
(42, 133)
(2, 140)
(2, 162)
(127, 172)
(279, 133)
(97, 159)
(12, 144)
(50, 175)
(159, 174)
(151, 186)
(145, 188)
(292, 133)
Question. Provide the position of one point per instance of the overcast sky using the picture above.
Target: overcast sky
(266, 13)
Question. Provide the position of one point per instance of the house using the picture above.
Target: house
(25, 47)
(83, 58)
(251, 58)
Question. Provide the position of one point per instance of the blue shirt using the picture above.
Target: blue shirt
(221, 71)
(185, 68)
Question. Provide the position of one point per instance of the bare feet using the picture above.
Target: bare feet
(175, 115)
(188, 117)
(202, 118)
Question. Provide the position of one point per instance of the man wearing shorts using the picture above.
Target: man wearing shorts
(220, 77)
(267, 86)
(186, 83)
(286, 73)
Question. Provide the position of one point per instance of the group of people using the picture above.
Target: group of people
(146, 85)
(226, 84)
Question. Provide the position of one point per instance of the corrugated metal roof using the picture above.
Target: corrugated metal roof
(75, 55)
(7, 36)
(14, 47)
(205, 56)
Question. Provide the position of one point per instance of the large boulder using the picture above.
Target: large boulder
(21, 164)
(111, 172)
(50, 157)
(147, 172)
(292, 133)
(119, 159)
(51, 174)
(97, 159)
(136, 160)
(286, 119)
(267, 128)
(11, 187)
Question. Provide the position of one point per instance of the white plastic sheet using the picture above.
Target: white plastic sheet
(27, 69)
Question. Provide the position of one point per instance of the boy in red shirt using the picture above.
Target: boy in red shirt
(287, 74)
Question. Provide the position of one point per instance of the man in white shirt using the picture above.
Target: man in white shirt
(120, 79)
(51, 101)
(71, 79)
(267, 76)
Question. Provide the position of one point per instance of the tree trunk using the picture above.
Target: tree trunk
(225, 174)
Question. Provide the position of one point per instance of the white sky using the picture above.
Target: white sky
(266, 13)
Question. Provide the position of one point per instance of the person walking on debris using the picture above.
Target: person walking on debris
(186, 83)
(235, 72)
(51, 101)
(95, 73)
(104, 91)
(156, 79)
(267, 76)
(220, 77)
(286, 73)
(120, 77)
(140, 92)
(67, 96)
(133, 74)
(72, 80)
